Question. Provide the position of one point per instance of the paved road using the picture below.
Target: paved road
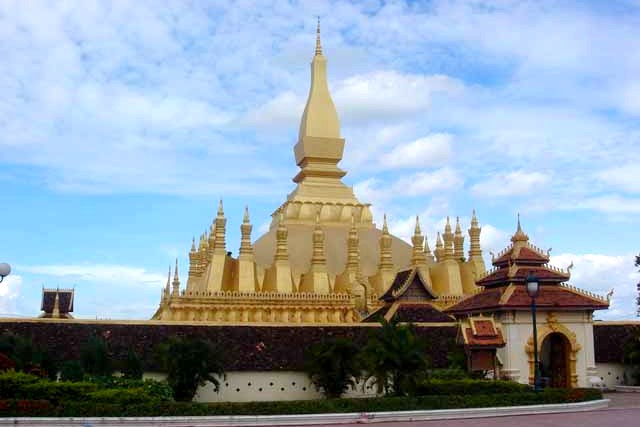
(624, 411)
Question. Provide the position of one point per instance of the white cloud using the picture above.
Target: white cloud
(431, 150)
(99, 273)
(285, 110)
(493, 239)
(9, 293)
(631, 98)
(612, 204)
(516, 183)
(626, 177)
(422, 183)
(599, 273)
(384, 95)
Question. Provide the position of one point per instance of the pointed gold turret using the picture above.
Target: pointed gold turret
(427, 251)
(316, 279)
(448, 241)
(520, 237)
(475, 252)
(349, 280)
(417, 256)
(278, 276)
(176, 281)
(439, 251)
(386, 271)
(246, 275)
(458, 242)
(220, 266)
(167, 288)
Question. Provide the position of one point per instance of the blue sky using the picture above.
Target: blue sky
(123, 122)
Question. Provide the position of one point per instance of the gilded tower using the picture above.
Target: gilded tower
(323, 259)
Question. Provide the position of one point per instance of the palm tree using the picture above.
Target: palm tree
(190, 363)
(395, 358)
(332, 366)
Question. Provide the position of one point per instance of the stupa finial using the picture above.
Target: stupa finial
(245, 219)
(385, 227)
(519, 236)
(318, 44)
(220, 208)
(417, 229)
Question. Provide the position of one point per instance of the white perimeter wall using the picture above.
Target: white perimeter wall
(252, 386)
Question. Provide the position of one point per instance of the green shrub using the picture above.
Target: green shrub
(94, 357)
(56, 392)
(122, 396)
(11, 382)
(395, 357)
(71, 371)
(469, 387)
(448, 374)
(132, 368)
(159, 390)
(332, 366)
(190, 363)
(97, 409)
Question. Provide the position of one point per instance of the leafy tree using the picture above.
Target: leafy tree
(190, 363)
(132, 368)
(395, 357)
(332, 366)
(94, 357)
(71, 371)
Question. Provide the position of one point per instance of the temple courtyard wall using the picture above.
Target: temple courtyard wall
(265, 362)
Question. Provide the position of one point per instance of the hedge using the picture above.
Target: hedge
(9, 408)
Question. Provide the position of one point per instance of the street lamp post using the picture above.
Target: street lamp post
(5, 270)
(533, 287)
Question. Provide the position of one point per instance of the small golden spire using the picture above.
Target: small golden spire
(385, 228)
(458, 230)
(417, 229)
(447, 227)
(520, 235)
(246, 215)
(175, 276)
(193, 244)
(318, 45)
(220, 208)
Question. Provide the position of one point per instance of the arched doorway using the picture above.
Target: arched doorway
(555, 362)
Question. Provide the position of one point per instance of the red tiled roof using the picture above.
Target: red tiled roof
(543, 273)
(484, 328)
(420, 313)
(549, 296)
(524, 255)
(65, 300)
(495, 340)
(404, 282)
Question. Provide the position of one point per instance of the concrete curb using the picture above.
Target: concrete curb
(627, 389)
(312, 419)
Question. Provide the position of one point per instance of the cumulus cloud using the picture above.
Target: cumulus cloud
(600, 273)
(9, 293)
(516, 183)
(431, 150)
(99, 273)
(625, 177)
(611, 204)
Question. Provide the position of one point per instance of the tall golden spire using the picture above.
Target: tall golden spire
(474, 237)
(176, 281)
(282, 251)
(386, 261)
(318, 45)
(353, 247)
(448, 241)
(245, 231)
(458, 242)
(417, 255)
(245, 277)
(167, 288)
(219, 245)
(439, 251)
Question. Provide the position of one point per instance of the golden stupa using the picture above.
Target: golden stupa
(323, 260)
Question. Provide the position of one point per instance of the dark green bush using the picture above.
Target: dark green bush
(190, 363)
(87, 409)
(159, 390)
(11, 382)
(56, 392)
(468, 387)
(332, 366)
(71, 371)
(132, 368)
(94, 357)
(447, 374)
(122, 396)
